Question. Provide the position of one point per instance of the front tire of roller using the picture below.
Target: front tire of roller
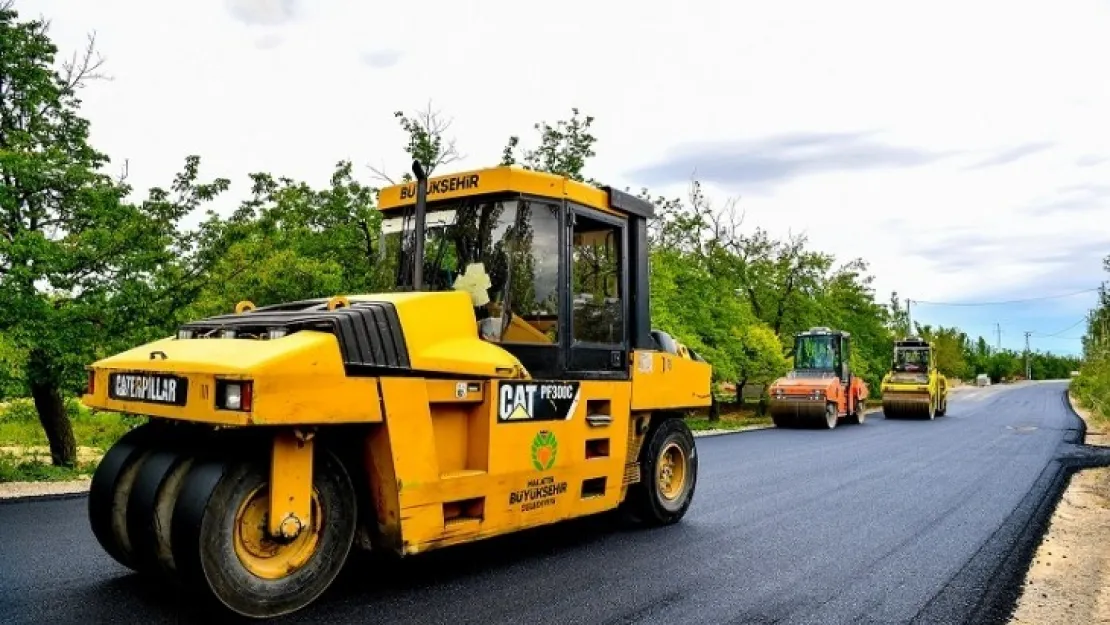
(220, 542)
(943, 408)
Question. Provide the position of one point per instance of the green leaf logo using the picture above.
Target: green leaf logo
(544, 448)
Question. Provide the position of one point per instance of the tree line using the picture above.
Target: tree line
(86, 270)
(1092, 387)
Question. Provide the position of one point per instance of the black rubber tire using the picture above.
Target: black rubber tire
(857, 416)
(831, 418)
(150, 507)
(202, 537)
(943, 409)
(646, 504)
(110, 490)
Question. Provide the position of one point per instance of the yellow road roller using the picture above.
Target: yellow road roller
(511, 379)
(914, 387)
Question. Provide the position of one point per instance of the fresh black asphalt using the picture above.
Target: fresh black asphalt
(888, 522)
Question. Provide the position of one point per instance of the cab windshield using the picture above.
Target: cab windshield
(815, 352)
(504, 252)
(911, 359)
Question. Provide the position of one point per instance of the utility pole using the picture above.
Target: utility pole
(1028, 373)
(998, 344)
(909, 317)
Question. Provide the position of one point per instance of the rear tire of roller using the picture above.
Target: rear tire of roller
(150, 508)
(831, 417)
(110, 491)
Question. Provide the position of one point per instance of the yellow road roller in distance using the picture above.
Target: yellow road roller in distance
(914, 387)
(510, 379)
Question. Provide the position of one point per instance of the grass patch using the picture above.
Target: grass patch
(24, 451)
(1092, 389)
(733, 417)
(37, 468)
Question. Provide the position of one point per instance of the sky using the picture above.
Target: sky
(960, 148)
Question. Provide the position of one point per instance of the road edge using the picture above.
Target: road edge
(43, 497)
(1015, 540)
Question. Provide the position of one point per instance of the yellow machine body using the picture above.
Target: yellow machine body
(914, 387)
(444, 466)
(448, 436)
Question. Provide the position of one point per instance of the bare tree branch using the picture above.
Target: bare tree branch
(380, 175)
(436, 128)
(427, 142)
(83, 67)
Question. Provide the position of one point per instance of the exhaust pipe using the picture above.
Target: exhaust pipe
(418, 226)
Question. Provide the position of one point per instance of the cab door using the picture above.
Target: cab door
(598, 349)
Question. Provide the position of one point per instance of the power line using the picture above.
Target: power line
(1081, 320)
(1013, 301)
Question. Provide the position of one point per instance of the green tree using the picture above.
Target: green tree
(12, 376)
(949, 349)
(298, 243)
(81, 270)
(564, 148)
(1092, 387)
(847, 301)
(899, 318)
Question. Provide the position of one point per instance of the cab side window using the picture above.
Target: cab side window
(596, 284)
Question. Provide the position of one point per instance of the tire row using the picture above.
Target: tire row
(172, 503)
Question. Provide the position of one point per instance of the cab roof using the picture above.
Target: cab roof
(823, 331)
(513, 179)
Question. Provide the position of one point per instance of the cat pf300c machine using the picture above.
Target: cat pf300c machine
(509, 379)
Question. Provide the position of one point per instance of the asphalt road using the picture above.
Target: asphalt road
(889, 522)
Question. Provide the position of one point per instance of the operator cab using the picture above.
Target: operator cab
(912, 355)
(820, 352)
(556, 269)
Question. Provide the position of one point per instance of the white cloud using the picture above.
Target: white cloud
(381, 59)
(977, 82)
(263, 12)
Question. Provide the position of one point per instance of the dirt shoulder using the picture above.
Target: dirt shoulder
(47, 485)
(18, 490)
(1069, 579)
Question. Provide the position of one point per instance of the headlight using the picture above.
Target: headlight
(234, 395)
